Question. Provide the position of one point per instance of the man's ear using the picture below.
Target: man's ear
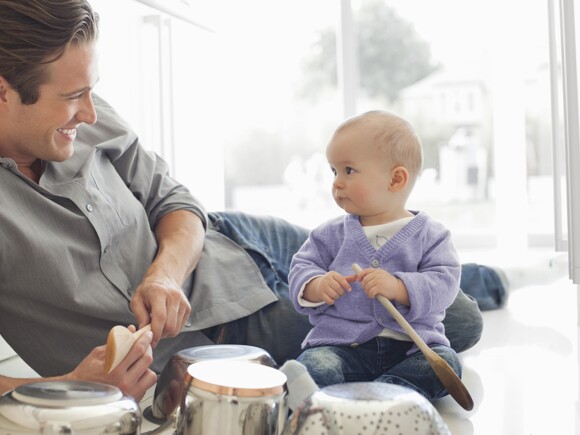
(399, 179)
(4, 87)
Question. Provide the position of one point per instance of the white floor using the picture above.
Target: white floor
(524, 372)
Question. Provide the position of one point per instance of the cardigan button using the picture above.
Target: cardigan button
(375, 263)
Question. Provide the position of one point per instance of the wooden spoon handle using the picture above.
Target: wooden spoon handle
(444, 372)
(141, 331)
(404, 324)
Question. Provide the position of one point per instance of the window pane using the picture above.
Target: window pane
(477, 91)
(281, 104)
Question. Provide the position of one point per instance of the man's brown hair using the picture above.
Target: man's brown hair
(34, 33)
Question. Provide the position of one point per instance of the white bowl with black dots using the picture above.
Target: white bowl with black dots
(365, 408)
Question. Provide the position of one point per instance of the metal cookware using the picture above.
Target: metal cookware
(234, 398)
(68, 407)
(365, 408)
(169, 387)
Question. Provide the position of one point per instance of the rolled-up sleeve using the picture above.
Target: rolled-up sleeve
(145, 174)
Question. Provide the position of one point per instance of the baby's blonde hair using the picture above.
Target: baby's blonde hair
(396, 139)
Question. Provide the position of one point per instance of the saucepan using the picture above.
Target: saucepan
(68, 407)
(234, 398)
(171, 383)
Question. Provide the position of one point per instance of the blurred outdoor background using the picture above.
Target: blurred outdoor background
(260, 86)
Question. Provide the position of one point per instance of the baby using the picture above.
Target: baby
(406, 256)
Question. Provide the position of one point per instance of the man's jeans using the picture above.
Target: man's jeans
(278, 328)
(381, 360)
(485, 285)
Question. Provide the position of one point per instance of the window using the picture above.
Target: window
(476, 90)
(281, 103)
(259, 96)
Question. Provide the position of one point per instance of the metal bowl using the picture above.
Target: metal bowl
(171, 382)
(67, 407)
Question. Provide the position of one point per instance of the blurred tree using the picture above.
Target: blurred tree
(392, 55)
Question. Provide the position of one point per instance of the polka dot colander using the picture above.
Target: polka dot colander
(366, 408)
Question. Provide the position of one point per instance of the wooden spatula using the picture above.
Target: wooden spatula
(444, 372)
(119, 342)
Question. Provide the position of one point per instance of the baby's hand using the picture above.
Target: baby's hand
(380, 282)
(328, 288)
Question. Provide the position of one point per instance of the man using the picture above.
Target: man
(95, 232)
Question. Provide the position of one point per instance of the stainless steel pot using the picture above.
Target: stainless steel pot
(68, 407)
(170, 385)
(234, 398)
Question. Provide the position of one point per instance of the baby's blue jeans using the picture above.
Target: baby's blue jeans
(381, 360)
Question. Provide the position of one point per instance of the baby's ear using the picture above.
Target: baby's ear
(399, 179)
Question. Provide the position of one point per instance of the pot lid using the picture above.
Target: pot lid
(236, 378)
(221, 351)
(70, 393)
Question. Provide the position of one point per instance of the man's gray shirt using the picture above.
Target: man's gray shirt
(75, 247)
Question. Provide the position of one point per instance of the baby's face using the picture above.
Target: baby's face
(361, 177)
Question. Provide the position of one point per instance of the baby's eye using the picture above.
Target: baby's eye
(333, 170)
(348, 170)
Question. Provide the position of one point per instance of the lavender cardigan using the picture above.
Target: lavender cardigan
(421, 254)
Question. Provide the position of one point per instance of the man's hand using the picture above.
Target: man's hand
(161, 302)
(132, 376)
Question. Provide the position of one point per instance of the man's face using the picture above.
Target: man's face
(46, 129)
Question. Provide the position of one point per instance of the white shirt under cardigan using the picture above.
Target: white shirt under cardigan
(421, 254)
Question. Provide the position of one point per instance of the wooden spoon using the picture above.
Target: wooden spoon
(119, 343)
(444, 372)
